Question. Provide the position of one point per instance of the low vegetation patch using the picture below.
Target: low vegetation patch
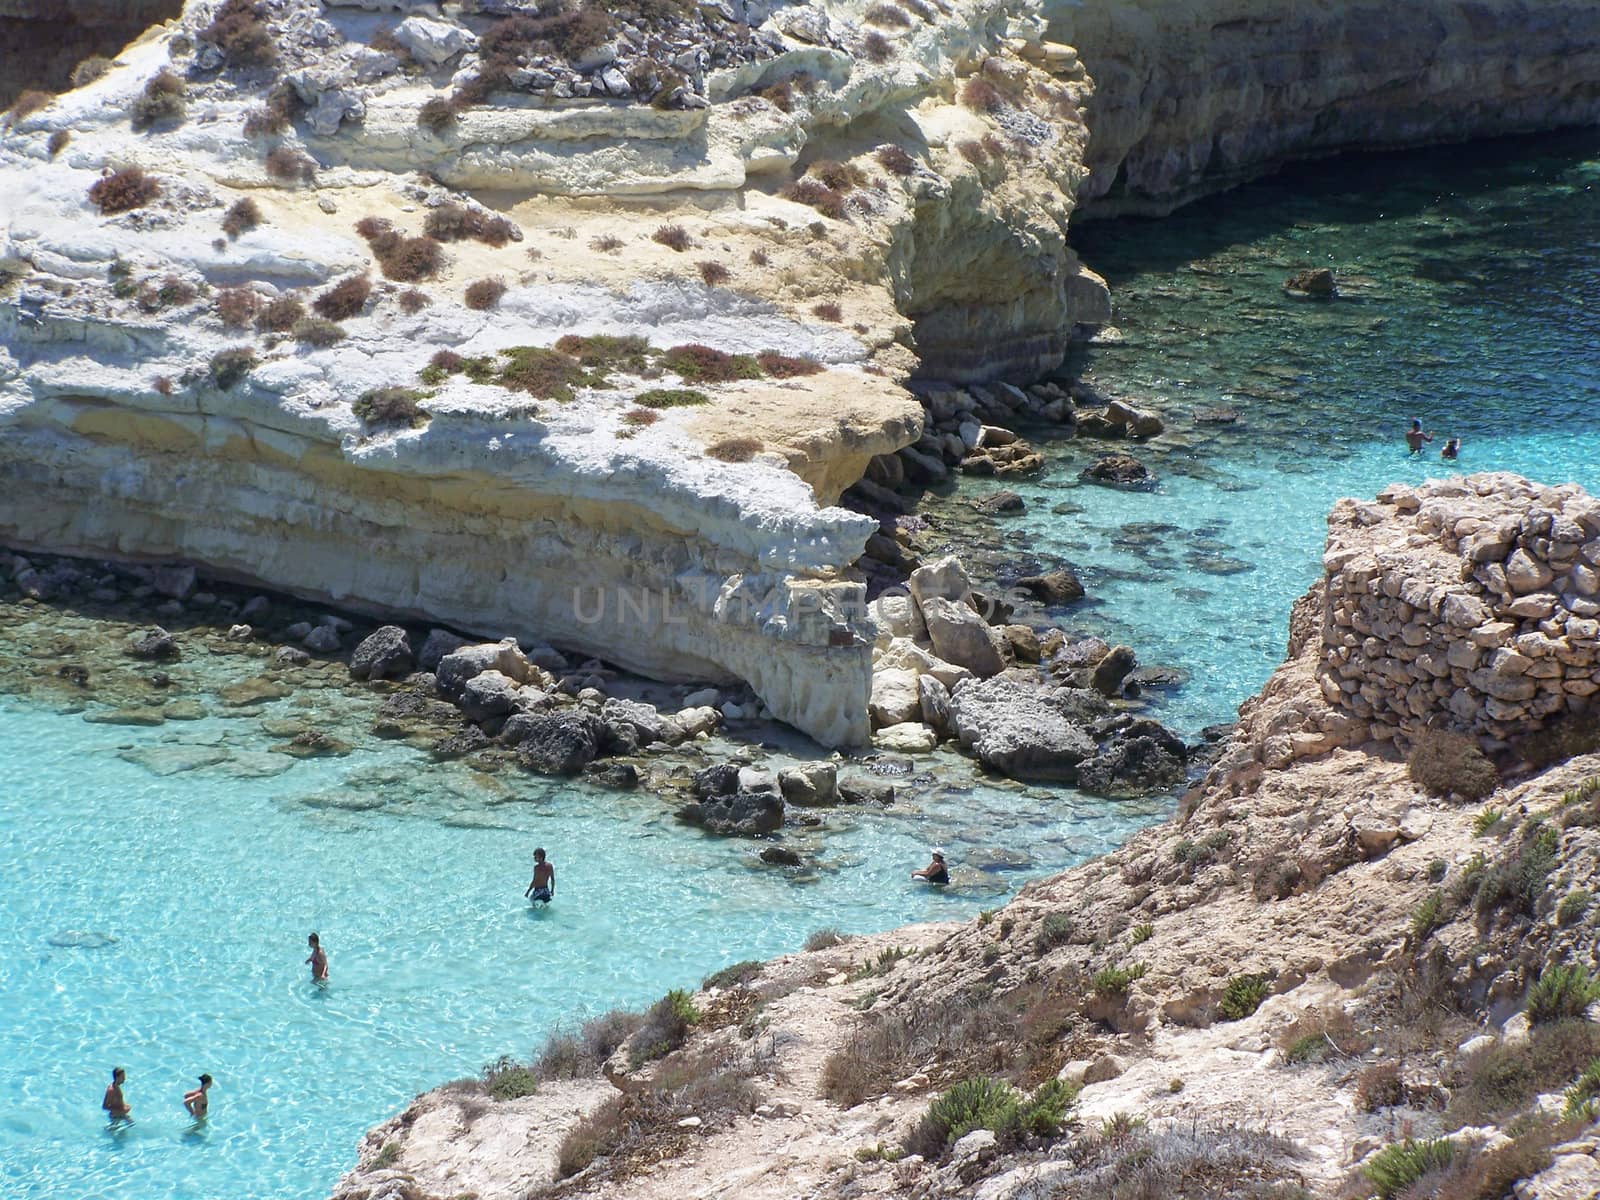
(980, 95)
(237, 306)
(1116, 980)
(546, 374)
(390, 407)
(240, 31)
(735, 449)
(412, 301)
(695, 363)
(1321, 1034)
(169, 293)
(280, 315)
(877, 48)
(674, 237)
(1572, 907)
(784, 366)
(314, 331)
(26, 104)
(456, 222)
(1520, 882)
(484, 294)
(1487, 820)
(740, 974)
(671, 398)
(58, 141)
(161, 102)
(665, 1028)
(1127, 1160)
(344, 299)
(818, 195)
(881, 964)
(1561, 993)
(638, 418)
(228, 367)
(1442, 762)
(507, 1079)
(89, 70)
(983, 1102)
(242, 216)
(1055, 930)
(401, 258)
(824, 939)
(123, 191)
(288, 165)
(895, 160)
(569, 1055)
(1395, 1168)
(1428, 916)
(604, 352)
(712, 274)
(1504, 1079)
(827, 311)
(1243, 995)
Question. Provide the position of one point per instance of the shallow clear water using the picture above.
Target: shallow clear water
(1472, 301)
(1473, 283)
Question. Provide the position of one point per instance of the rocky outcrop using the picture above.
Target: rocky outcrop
(1195, 97)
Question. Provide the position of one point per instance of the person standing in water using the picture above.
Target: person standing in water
(1452, 449)
(195, 1102)
(935, 871)
(543, 886)
(318, 960)
(113, 1102)
(1416, 436)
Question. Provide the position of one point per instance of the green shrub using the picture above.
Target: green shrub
(703, 364)
(1054, 930)
(547, 374)
(737, 975)
(666, 1027)
(387, 1156)
(1561, 992)
(1442, 762)
(390, 406)
(882, 964)
(1243, 995)
(980, 1102)
(1141, 934)
(1114, 981)
(124, 190)
(1488, 817)
(1582, 1094)
(1426, 919)
(1044, 1114)
(1520, 882)
(824, 939)
(671, 398)
(1572, 907)
(606, 352)
(314, 331)
(1505, 1078)
(508, 1079)
(1397, 1167)
(228, 367)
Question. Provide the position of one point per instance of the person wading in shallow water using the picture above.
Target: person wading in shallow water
(195, 1102)
(318, 960)
(113, 1103)
(935, 871)
(1415, 436)
(543, 886)
(1452, 449)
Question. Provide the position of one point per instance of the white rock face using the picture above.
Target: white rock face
(433, 42)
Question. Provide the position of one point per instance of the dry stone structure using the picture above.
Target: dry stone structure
(1464, 603)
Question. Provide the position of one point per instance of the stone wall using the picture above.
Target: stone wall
(1469, 604)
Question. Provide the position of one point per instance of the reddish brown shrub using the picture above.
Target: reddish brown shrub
(447, 361)
(816, 194)
(58, 142)
(243, 216)
(735, 449)
(413, 301)
(841, 177)
(436, 115)
(369, 228)
(674, 237)
(782, 366)
(314, 331)
(714, 273)
(890, 16)
(161, 100)
(895, 160)
(877, 48)
(344, 299)
(760, 258)
(237, 306)
(286, 164)
(171, 291)
(780, 95)
(973, 152)
(454, 223)
(280, 315)
(981, 95)
(640, 416)
(828, 311)
(407, 259)
(1442, 762)
(240, 31)
(702, 364)
(90, 69)
(124, 190)
(26, 104)
(162, 384)
(484, 294)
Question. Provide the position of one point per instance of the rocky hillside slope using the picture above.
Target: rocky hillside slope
(1331, 952)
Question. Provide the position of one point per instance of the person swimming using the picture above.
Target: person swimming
(1416, 436)
(318, 960)
(113, 1102)
(1452, 449)
(542, 888)
(935, 871)
(195, 1102)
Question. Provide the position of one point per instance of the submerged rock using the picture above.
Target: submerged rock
(744, 814)
(809, 783)
(154, 645)
(1118, 470)
(1317, 282)
(1061, 586)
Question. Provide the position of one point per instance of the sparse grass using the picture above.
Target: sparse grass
(824, 939)
(739, 974)
(713, 273)
(1379, 1086)
(783, 366)
(1395, 1168)
(228, 367)
(695, 363)
(484, 294)
(1572, 907)
(242, 216)
(279, 315)
(1486, 820)
(1427, 916)
(827, 311)
(735, 449)
(1520, 882)
(1561, 992)
(314, 331)
(507, 1079)
(344, 299)
(882, 964)
(1141, 933)
(1127, 1160)
(673, 237)
(1581, 806)
(240, 31)
(1243, 995)
(455, 223)
(1313, 1036)
(1504, 1078)
(288, 165)
(390, 407)
(1442, 762)
(123, 191)
(1114, 981)
(603, 352)
(237, 306)
(1581, 1095)
(895, 160)
(386, 1157)
(160, 102)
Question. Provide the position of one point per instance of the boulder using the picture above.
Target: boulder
(1084, 653)
(934, 699)
(290, 656)
(433, 43)
(436, 645)
(1024, 642)
(1143, 759)
(647, 724)
(745, 814)
(383, 654)
(719, 779)
(962, 637)
(945, 578)
(1134, 422)
(695, 721)
(560, 743)
(1018, 731)
(1111, 670)
(809, 783)
(324, 639)
(457, 667)
(894, 697)
(487, 695)
(1002, 503)
(1315, 281)
(403, 713)
(176, 582)
(908, 737)
(463, 741)
(1117, 470)
(896, 615)
(154, 645)
(780, 856)
(865, 789)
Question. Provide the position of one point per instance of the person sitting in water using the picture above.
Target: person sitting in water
(195, 1102)
(542, 888)
(1452, 449)
(113, 1102)
(1415, 436)
(935, 871)
(318, 960)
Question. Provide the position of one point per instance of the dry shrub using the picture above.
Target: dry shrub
(640, 416)
(877, 48)
(123, 191)
(895, 160)
(973, 152)
(605, 244)
(891, 16)
(760, 258)
(370, 229)
(26, 104)
(816, 194)
(90, 69)
(569, 1055)
(437, 114)
(344, 299)
(702, 364)
(412, 301)
(827, 311)
(161, 101)
(1442, 762)
(1379, 1086)
(314, 331)
(735, 449)
(280, 315)
(454, 223)
(839, 176)
(228, 367)
(243, 216)
(674, 237)
(1320, 1033)
(399, 257)
(58, 141)
(288, 165)
(980, 95)
(1503, 1079)
(169, 292)
(1127, 1160)
(237, 306)
(714, 273)
(484, 294)
(390, 407)
(782, 366)
(240, 32)
(547, 374)
(277, 114)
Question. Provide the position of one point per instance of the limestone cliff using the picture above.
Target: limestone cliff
(1195, 96)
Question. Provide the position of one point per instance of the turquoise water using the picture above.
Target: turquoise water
(1472, 286)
